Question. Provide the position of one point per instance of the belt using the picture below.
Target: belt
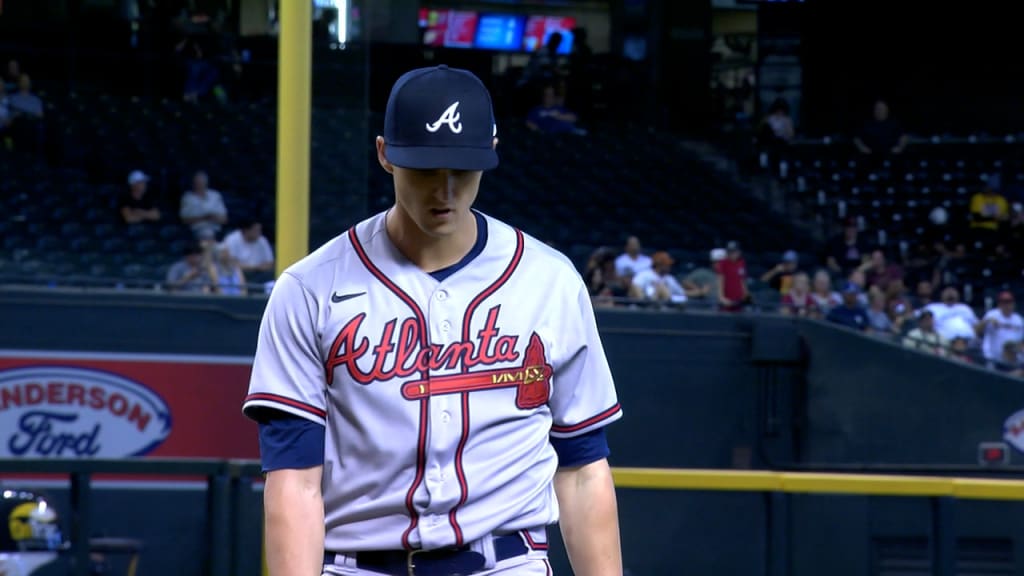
(440, 562)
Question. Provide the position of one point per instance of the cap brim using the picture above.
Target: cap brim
(436, 158)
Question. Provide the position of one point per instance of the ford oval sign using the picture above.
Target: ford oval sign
(67, 412)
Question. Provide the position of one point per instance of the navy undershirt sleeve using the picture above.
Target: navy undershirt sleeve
(289, 441)
(581, 450)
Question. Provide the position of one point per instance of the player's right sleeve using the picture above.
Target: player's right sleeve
(287, 372)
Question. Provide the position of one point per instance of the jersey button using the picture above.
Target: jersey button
(446, 417)
(442, 295)
(446, 326)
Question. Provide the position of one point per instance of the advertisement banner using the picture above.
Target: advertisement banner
(100, 405)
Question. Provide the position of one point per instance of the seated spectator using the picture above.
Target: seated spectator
(203, 208)
(878, 315)
(798, 301)
(632, 260)
(924, 295)
(136, 206)
(229, 279)
(879, 272)
(250, 248)
(924, 337)
(12, 76)
(846, 252)
(701, 282)
(958, 350)
(26, 114)
(1009, 360)
(825, 299)
(850, 313)
(551, 116)
(952, 317)
(780, 277)
(988, 211)
(657, 283)
(776, 133)
(733, 295)
(881, 135)
(998, 326)
(194, 272)
(603, 281)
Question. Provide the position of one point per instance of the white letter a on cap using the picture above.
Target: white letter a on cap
(450, 117)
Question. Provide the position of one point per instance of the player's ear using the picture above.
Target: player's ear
(494, 143)
(388, 166)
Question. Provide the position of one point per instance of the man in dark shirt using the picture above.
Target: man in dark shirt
(850, 314)
(846, 252)
(136, 206)
(882, 135)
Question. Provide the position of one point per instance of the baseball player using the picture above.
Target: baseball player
(429, 381)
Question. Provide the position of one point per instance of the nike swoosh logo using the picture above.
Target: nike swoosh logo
(342, 297)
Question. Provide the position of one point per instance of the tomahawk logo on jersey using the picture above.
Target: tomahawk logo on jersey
(440, 397)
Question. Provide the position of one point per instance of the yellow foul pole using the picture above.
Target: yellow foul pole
(294, 88)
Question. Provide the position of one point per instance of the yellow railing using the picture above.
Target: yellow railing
(814, 482)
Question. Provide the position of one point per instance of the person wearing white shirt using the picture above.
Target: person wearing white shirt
(657, 283)
(203, 208)
(953, 318)
(632, 262)
(250, 248)
(999, 326)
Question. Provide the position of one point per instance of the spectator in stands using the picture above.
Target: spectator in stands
(952, 317)
(924, 295)
(194, 272)
(657, 284)
(229, 279)
(924, 337)
(544, 67)
(632, 260)
(858, 279)
(899, 308)
(1009, 360)
(702, 282)
(776, 133)
(988, 211)
(603, 280)
(26, 112)
(878, 314)
(13, 75)
(551, 116)
(798, 300)
(846, 252)
(136, 206)
(250, 248)
(733, 295)
(879, 272)
(825, 299)
(958, 350)
(850, 313)
(998, 326)
(203, 208)
(780, 277)
(580, 77)
(881, 135)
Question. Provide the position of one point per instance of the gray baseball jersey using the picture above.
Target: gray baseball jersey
(438, 397)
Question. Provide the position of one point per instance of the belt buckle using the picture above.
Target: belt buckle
(409, 561)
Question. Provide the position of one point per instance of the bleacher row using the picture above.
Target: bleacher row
(578, 193)
(894, 197)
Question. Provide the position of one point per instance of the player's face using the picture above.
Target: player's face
(438, 201)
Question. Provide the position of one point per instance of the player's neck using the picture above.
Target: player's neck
(430, 253)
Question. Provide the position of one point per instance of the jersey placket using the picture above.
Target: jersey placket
(440, 480)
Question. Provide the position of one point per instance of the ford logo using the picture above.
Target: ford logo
(66, 412)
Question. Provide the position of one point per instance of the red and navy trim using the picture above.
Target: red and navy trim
(286, 401)
(531, 543)
(421, 444)
(467, 320)
(588, 422)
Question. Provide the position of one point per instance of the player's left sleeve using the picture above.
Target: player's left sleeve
(583, 396)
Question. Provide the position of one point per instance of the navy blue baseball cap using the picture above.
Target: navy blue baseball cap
(440, 117)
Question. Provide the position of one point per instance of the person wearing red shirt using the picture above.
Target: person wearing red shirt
(732, 280)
